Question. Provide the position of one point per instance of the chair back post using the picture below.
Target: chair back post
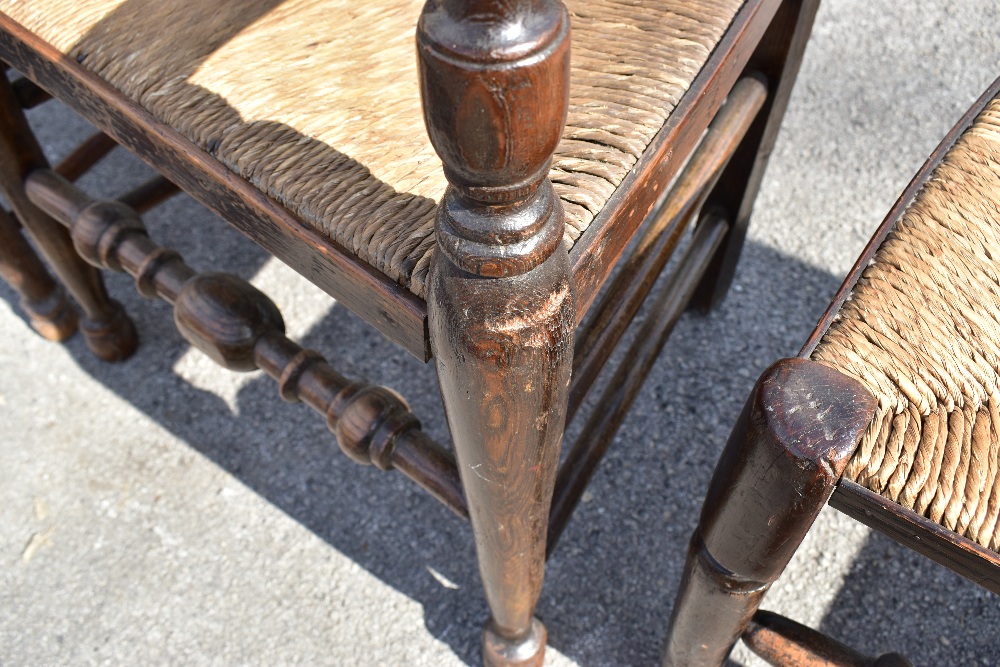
(494, 79)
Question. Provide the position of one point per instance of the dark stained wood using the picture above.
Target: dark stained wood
(789, 448)
(148, 195)
(778, 58)
(29, 94)
(784, 643)
(107, 330)
(597, 339)
(919, 533)
(241, 329)
(393, 310)
(56, 196)
(706, 607)
(387, 306)
(598, 249)
(494, 79)
(48, 310)
(85, 156)
(894, 214)
(608, 415)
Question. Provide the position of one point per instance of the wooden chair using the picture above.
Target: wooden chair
(300, 123)
(890, 413)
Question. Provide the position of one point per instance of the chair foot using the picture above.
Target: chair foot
(528, 651)
(53, 318)
(111, 339)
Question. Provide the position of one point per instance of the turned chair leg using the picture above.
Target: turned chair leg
(500, 302)
(45, 303)
(778, 58)
(789, 448)
(108, 331)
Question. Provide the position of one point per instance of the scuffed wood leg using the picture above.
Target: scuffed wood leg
(494, 79)
(503, 350)
(798, 429)
(109, 333)
(48, 310)
(778, 58)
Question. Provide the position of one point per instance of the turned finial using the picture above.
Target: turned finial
(494, 79)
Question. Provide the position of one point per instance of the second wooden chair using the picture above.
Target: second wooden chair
(891, 413)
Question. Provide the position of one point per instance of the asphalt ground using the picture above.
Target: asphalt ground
(163, 511)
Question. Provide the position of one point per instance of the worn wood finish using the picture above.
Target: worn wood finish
(703, 599)
(924, 536)
(494, 82)
(241, 329)
(109, 333)
(29, 94)
(778, 58)
(897, 210)
(596, 252)
(85, 156)
(150, 194)
(597, 339)
(45, 303)
(393, 310)
(608, 415)
(784, 643)
(789, 448)
(390, 308)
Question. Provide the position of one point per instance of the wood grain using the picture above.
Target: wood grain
(778, 59)
(494, 83)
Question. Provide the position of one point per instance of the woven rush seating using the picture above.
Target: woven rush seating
(465, 175)
(891, 412)
(316, 104)
(921, 331)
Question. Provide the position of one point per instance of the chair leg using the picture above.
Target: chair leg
(504, 349)
(793, 439)
(500, 301)
(108, 331)
(45, 303)
(778, 58)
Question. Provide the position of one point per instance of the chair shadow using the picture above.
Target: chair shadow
(630, 534)
(957, 623)
(646, 497)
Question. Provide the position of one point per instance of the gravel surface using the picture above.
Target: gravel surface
(162, 511)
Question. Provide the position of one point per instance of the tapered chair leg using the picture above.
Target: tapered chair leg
(778, 58)
(789, 448)
(45, 303)
(494, 79)
(108, 331)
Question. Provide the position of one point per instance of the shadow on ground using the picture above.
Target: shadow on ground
(610, 583)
